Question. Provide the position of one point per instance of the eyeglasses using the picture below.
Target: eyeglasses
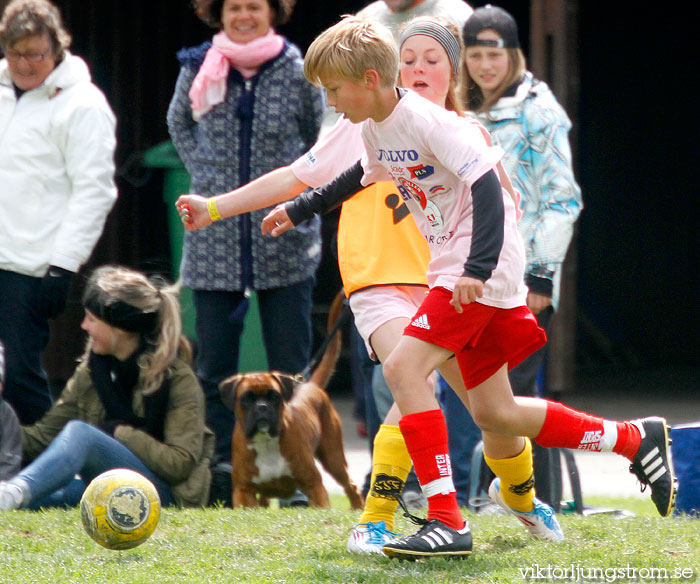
(14, 56)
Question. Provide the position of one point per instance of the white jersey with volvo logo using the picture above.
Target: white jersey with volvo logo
(434, 156)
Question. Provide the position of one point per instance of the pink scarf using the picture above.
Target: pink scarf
(209, 85)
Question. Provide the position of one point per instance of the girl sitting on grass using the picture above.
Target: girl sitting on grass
(133, 402)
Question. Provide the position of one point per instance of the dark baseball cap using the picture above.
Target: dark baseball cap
(491, 16)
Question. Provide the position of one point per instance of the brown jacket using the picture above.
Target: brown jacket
(181, 459)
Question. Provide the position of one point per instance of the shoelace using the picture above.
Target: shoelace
(638, 471)
(377, 533)
(408, 514)
(546, 512)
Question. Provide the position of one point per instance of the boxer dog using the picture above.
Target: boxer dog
(282, 425)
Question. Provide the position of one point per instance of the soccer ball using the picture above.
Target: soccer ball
(120, 509)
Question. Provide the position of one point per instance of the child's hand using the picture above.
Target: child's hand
(537, 302)
(276, 222)
(193, 211)
(466, 290)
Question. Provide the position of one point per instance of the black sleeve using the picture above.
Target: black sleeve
(326, 198)
(487, 231)
(539, 285)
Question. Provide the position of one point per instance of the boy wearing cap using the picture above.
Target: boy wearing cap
(475, 310)
(10, 435)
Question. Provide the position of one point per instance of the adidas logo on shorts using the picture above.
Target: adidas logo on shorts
(421, 322)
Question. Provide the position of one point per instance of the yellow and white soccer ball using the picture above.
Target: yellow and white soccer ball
(120, 509)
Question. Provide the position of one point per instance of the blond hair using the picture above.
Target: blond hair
(475, 97)
(349, 49)
(109, 285)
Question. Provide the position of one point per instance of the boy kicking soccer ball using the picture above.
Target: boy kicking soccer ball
(475, 310)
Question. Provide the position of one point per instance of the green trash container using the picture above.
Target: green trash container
(176, 181)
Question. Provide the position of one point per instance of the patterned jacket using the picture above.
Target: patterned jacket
(264, 123)
(533, 128)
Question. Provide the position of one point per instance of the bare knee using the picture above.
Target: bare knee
(492, 419)
(403, 373)
(393, 369)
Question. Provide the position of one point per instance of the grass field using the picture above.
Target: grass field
(308, 546)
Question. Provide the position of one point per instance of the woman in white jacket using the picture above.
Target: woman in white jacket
(57, 141)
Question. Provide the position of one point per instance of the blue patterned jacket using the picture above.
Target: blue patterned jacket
(264, 123)
(533, 128)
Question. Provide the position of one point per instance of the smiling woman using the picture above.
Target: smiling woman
(245, 20)
(213, 11)
(241, 108)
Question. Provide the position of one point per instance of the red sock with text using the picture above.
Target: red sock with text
(425, 434)
(565, 427)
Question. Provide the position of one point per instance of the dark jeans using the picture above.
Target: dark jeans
(524, 381)
(523, 377)
(462, 435)
(285, 315)
(81, 449)
(24, 330)
(361, 371)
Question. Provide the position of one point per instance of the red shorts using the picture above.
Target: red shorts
(483, 338)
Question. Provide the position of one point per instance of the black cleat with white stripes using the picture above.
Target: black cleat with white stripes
(433, 540)
(653, 465)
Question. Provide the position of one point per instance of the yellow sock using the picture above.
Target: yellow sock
(391, 464)
(517, 479)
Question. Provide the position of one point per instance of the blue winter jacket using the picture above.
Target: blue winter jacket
(264, 123)
(532, 128)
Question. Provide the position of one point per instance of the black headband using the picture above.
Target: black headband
(122, 315)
